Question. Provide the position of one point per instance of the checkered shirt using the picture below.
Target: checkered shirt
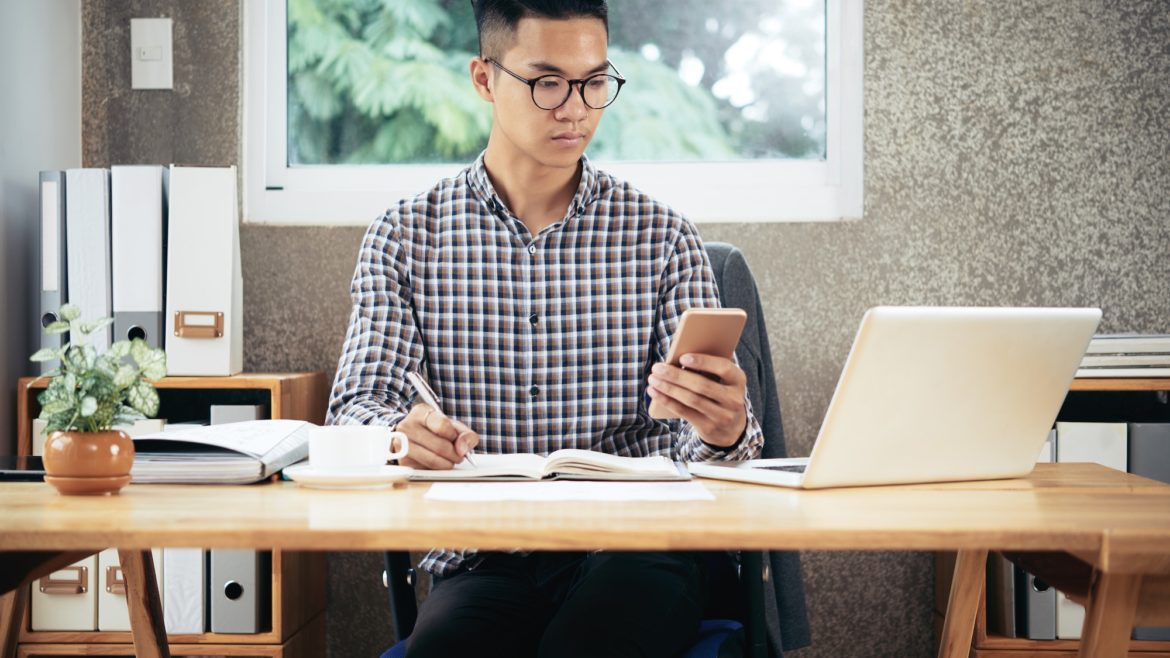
(536, 342)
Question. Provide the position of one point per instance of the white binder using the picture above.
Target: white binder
(204, 320)
(66, 600)
(138, 202)
(87, 239)
(51, 270)
(112, 613)
(184, 590)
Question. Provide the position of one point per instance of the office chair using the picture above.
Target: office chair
(755, 604)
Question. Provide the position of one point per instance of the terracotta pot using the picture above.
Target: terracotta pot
(88, 462)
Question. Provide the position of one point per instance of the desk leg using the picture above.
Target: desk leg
(11, 617)
(1109, 615)
(146, 617)
(963, 604)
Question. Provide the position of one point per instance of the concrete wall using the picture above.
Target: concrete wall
(40, 128)
(1015, 154)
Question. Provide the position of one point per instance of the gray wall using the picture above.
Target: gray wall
(40, 128)
(1016, 154)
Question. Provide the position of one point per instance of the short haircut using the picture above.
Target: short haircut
(496, 20)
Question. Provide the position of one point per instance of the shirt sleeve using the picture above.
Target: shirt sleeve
(688, 281)
(382, 343)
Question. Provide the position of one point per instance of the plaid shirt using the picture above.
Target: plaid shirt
(536, 342)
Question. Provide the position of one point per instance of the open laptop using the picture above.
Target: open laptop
(933, 394)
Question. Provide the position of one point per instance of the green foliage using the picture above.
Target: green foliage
(93, 392)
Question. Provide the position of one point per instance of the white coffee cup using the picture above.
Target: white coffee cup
(354, 448)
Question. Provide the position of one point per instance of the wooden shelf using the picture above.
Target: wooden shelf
(298, 578)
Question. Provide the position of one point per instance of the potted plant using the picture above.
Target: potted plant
(89, 394)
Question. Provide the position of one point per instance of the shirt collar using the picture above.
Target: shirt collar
(588, 190)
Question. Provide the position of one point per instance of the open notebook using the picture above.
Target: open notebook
(232, 453)
(567, 464)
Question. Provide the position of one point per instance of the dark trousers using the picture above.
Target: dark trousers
(563, 605)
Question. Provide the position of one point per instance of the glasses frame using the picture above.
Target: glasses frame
(579, 84)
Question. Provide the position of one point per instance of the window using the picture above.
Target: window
(744, 110)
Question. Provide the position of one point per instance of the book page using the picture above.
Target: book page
(588, 462)
(253, 437)
(519, 465)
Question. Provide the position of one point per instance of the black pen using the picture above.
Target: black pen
(424, 391)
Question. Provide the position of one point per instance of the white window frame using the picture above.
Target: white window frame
(744, 191)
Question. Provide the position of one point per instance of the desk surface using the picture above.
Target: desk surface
(1075, 507)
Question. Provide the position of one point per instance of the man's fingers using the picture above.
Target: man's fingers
(421, 456)
(440, 425)
(687, 396)
(467, 439)
(724, 369)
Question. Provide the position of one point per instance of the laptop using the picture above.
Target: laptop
(937, 394)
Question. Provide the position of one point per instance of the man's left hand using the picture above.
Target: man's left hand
(714, 407)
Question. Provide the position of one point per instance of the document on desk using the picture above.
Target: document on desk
(563, 490)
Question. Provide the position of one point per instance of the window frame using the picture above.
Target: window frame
(739, 191)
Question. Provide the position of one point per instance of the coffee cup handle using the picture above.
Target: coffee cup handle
(403, 446)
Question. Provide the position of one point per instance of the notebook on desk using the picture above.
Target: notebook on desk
(931, 394)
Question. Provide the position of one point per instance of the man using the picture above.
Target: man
(540, 295)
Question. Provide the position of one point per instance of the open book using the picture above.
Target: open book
(567, 464)
(232, 453)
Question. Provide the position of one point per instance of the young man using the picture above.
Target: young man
(539, 295)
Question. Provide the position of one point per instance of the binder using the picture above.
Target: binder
(184, 590)
(239, 590)
(66, 600)
(1101, 443)
(1035, 607)
(204, 288)
(112, 612)
(1149, 456)
(51, 262)
(138, 220)
(87, 246)
(1001, 596)
(221, 414)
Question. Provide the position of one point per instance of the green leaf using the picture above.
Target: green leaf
(125, 376)
(88, 406)
(93, 325)
(143, 397)
(69, 312)
(58, 327)
(152, 361)
(118, 349)
(54, 407)
(45, 354)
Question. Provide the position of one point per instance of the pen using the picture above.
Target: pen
(424, 391)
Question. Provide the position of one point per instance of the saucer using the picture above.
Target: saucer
(386, 476)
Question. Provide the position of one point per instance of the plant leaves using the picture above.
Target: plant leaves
(125, 376)
(69, 312)
(45, 354)
(54, 407)
(58, 327)
(118, 349)
(143, 397)
(152, 361)
(93, 325)
(88, 406)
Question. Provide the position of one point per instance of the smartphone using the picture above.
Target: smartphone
(713, 331)
(21, 469)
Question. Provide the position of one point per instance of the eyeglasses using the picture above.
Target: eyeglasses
(551, 91)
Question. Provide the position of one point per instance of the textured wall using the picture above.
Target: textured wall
(1016, 154)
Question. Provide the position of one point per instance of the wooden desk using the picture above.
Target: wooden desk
(1121, 523)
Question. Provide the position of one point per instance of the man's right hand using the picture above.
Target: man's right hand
(436, 441)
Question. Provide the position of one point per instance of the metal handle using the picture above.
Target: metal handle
(198, 324)
(115, 581)
(70, 580)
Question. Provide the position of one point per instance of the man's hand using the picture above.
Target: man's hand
(436, 441)
(714, 407)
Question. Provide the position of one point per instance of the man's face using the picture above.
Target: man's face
(575, 49)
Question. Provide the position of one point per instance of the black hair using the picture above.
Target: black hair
(496, 20)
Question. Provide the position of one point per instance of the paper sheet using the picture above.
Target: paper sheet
(567, 490)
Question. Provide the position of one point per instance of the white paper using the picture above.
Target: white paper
(568, 490)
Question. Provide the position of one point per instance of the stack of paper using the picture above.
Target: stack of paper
(1127, 355)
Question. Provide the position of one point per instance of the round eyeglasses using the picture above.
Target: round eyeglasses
(551, 91)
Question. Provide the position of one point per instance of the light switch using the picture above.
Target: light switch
(151, 54)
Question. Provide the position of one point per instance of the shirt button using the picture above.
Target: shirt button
(534, 318)
(532, 249)
(534, 391)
